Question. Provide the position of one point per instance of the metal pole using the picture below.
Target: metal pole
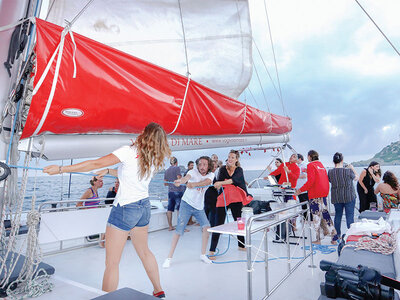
(304, 237)
(266, 261)
(288, 244)
(69, 184)
(310, 236)
(248, 252)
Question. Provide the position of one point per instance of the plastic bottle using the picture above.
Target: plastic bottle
(380, 203)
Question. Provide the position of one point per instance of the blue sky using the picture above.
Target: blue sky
(339, 76)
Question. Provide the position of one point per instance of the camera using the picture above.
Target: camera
(355, 283)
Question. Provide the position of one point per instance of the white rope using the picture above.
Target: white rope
(74, 53)
(16, 221)
(259, 249)
(245, 113)
(183, 105)
(7, 27)
(28, 283)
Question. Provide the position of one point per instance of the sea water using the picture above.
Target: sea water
(66, 187)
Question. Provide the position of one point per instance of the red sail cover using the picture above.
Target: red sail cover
(116, 92)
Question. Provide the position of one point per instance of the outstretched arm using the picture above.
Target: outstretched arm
(182, 180)
(84, 166)
(112, 172)
(204, 182)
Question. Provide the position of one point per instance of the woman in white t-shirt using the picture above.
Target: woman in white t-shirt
(130, 214)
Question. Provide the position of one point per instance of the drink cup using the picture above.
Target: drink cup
(240, 223)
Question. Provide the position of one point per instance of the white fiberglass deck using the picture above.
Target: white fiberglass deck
(188, 277)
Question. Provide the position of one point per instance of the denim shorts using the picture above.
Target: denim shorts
(136, 214)
(185, 212)
(174, 200)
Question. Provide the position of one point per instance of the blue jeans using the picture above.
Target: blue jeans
(185, 213)
(136, 214)
(349, 210)
(174, 200)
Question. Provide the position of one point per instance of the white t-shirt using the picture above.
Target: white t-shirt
(131, 188)
(303, 171)
(195, 196)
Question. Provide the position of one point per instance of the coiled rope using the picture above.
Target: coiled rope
(385, 244)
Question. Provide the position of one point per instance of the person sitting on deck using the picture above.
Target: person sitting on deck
(389, 190)
(92, 193)
(112, 192)
(192, 204)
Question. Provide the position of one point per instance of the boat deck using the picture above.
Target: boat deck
(190, 278)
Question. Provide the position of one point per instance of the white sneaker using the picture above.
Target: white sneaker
(205, 259)
(167, 263)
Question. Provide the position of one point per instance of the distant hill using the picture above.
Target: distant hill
(390, 155)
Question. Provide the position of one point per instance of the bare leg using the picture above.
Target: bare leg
(102, 241)
(139, 237)
(115, 242)
(169, 219)
(204, 239)
(175, 240)
(191, 222)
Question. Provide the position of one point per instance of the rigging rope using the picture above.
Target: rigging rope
(376, 25)
(255, 101)
(270, 77)
(273, 52)
(184, 39)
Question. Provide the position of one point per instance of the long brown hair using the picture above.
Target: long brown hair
(237, 157)
(390, 179)
(152, 147)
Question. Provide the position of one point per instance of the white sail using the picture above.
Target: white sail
(210, 38)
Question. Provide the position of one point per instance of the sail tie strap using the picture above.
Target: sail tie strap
(183, 105)
(59, 52)
(244, 118)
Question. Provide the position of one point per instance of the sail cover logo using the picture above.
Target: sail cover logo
(72, 112)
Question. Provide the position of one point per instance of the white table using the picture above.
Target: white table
(252, 226)
(232, 228)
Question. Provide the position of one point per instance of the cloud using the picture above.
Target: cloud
(330, 127)
(388, 127)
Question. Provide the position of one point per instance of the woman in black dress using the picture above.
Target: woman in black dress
(365, 185)
(232, 173)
